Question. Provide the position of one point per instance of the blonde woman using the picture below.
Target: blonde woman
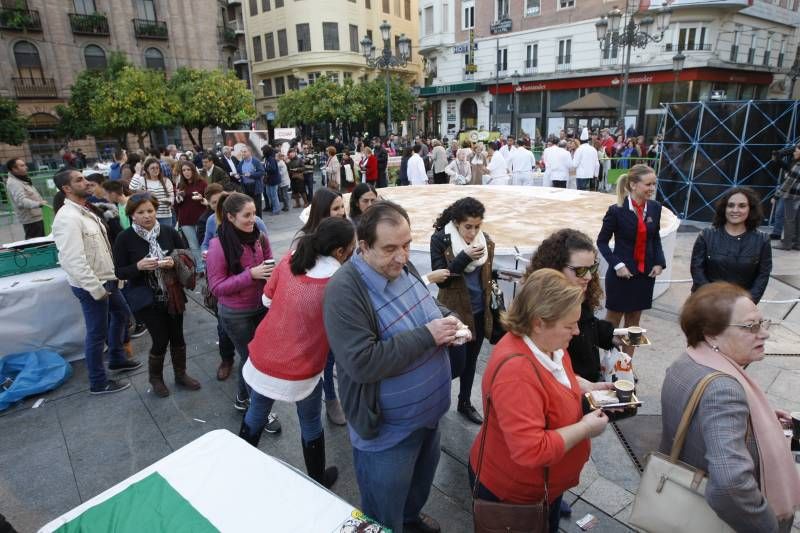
(459, 169)
(332, 169)
(478, 163)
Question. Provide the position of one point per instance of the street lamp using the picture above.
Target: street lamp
(515, 85)
(386, 61)
(623, 29)
(678, 61)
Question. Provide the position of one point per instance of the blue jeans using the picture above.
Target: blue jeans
(777, 221)
(308, 180)
(226, 348)
(190, 234)
(166, 221)
(309, 413)
(272, 191)
(106, 321)
(240, 325)
(327, 379)
(395, 483)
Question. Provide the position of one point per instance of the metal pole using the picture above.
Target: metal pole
(388, 105)
(496, 81)
(675, 87)
(625, 71)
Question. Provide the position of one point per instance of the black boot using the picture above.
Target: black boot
(314, 455)
(155, 369)
(248, 436)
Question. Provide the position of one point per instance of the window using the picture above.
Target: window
(533, 7)
(278, 3)
(84, 7)
(303, 38)
(564, 52)
(330, 35)
(280, 88)
(293, 82)
(751, 52)
(154, 59)
(467, 15)
(369, 34)
(258, 52)
(348, 76)
(407, 9)
(768, 50)
(333, 76)
(501, 9)
(266, 87)
(95, 57)
(253, 8)
(566, 4)
(269, 45)
(26, 56)
(532, 56)
(735, 47)
(266, 7)
(385, 6)
(502, 59)
(354, 38)
(428, 20)
(445, 17)
(283, 46)
(782, 52)
(610, 48)
(146, 9)
(692, 39)
(313, 77)
(367, 4)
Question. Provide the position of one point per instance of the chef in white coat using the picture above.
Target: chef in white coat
(585, 162)
(497, 167)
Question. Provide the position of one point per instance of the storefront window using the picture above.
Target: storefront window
(559, 98)
(530, 103)
(503, 107)
(661, 93)
(616, 93)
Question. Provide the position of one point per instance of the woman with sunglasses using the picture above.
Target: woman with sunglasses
(735, 435)
(189, 205)
(572, 253)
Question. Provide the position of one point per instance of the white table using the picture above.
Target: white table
(39, 311)
(238, 488)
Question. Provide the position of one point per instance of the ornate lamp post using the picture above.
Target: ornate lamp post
(678, 61)
(631, 29)
(386, 61)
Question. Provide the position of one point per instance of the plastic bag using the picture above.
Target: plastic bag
(615, 365)
(28, 373)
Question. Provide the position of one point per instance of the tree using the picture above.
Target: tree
(137, 101)
(209, 99)
(13, 125)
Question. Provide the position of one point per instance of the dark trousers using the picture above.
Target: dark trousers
(308, 181)
(473, 348)
(440, 178)
(559, 184)
(165, 329)
(34, 229)
(485, 494)
(251, 191)
(227, 350)
(383, 179)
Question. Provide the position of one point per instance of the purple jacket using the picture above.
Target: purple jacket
(237, 291)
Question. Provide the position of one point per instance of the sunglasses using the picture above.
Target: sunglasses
(582, 271)
(756, 327)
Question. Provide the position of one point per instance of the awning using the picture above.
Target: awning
(466, 87)
(592, 101)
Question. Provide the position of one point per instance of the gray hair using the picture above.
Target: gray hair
(562, 143)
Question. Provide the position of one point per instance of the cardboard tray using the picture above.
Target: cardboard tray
(627, 342)
(634, 403)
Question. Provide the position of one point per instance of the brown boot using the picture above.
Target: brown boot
(183, 379)
(305, 200)
(128, 350)
(155, 367)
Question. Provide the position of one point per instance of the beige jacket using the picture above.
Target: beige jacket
(26, 200)
(83, 249)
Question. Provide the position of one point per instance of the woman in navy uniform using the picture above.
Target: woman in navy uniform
(637, 257)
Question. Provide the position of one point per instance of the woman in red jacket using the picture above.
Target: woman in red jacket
(369, 166)
(189, 205)
(536, 421)
(290, 347)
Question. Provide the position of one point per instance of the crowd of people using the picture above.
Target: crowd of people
(345, 296)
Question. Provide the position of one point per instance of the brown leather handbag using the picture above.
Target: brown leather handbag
(500, 517)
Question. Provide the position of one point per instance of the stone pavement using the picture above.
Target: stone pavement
(75, 446)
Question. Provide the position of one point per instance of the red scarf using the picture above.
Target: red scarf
(641, 236)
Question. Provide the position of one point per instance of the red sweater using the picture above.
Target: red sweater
(190, 210)
(290, 342)
(517, 445)
(371, 168)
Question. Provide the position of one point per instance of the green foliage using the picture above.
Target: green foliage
(13, 125)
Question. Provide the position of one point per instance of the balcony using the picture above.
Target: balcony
(563, 63)
(237, 26)
(531, 67)
(35, 87)
(609, 61)
(689, 47)
(240, 57)
(94, 24)
(234, 2)
(228, 37)
(469, 76)
(150, 29)
(20, 20)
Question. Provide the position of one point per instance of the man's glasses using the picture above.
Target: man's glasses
(582, 271)
(756, 327)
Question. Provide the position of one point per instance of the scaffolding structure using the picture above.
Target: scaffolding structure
(709, 147)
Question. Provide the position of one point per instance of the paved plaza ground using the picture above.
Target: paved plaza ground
(75, 445)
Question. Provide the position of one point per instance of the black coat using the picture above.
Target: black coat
(744, 260)
(620, 223)
(583, 348)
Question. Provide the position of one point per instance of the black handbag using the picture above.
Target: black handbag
(497, 517)
(138, 296)
(497, 305)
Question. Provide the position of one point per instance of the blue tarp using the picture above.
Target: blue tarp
(30, 373)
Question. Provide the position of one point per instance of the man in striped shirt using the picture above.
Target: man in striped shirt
(390, 338)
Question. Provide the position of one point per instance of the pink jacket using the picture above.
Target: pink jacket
(237, 291)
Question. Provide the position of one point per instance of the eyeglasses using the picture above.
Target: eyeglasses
(756, 327)
(582, 271)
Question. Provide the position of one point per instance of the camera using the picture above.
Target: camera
(783, 152)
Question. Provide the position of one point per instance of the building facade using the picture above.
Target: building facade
(294, 43)
(46, 44)
(510, 65)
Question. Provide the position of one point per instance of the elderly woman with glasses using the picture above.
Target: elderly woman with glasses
(572, 253)
(735, 435)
